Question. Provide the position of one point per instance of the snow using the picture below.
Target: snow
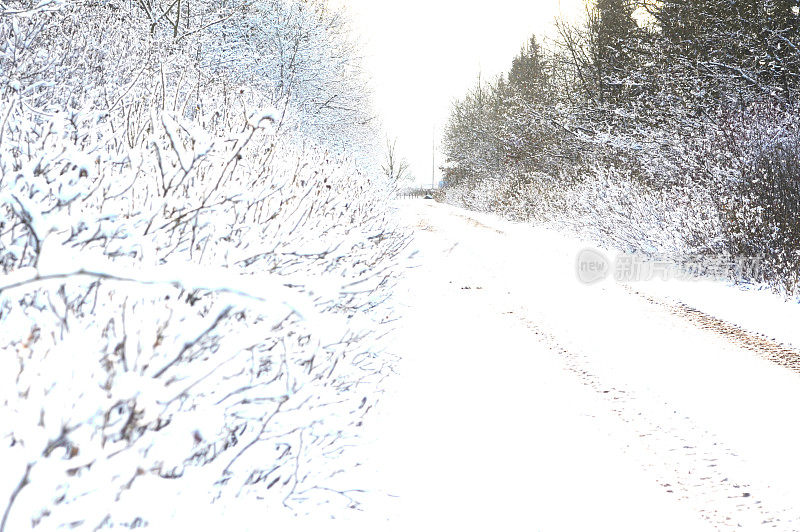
(527, 400)
(197, 292)
(753, 308)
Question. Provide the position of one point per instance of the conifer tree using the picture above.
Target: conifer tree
(613, 37)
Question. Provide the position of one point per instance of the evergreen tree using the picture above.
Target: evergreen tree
(732, 48)
(528, 76)
(783, 45)
(614, 37)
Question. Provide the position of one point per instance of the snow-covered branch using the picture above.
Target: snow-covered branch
(192, 298)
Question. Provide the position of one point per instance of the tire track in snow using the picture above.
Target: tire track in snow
(761, 345)
(425, 225)
(475, 223)
(686, 460)
(690, 463)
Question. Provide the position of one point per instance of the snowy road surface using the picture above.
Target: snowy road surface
(529, 401)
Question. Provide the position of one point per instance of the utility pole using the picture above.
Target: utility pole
(433, 157)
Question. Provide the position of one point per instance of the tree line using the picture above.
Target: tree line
(658, 126)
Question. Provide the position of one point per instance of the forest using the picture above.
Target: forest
(667, 128)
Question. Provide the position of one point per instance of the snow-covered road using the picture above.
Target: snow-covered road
(530, 401)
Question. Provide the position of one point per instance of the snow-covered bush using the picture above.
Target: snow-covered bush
(306, 52)
(760, 199)
(191, 303)
(608, 207)
(729, 190)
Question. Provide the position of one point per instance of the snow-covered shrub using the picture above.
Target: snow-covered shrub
(608, 207)
(307, 54)
(760, 200)
(191, 303)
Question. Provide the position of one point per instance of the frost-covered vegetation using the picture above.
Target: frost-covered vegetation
(664, 127)
(196, 259)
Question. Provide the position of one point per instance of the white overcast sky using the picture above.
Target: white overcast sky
(424, 53)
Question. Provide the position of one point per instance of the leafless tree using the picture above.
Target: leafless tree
(395, 167)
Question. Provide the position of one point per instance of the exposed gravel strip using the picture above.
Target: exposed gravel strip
(763, 346)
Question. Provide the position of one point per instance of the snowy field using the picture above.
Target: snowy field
(530, 401)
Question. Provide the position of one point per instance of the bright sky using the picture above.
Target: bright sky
(425, 53)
